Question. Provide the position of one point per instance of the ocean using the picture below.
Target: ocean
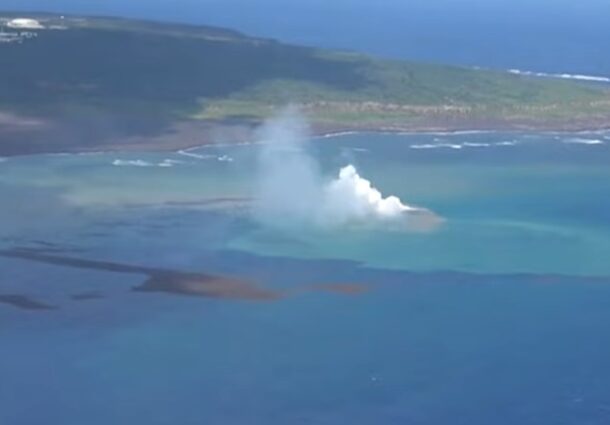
(497, 315)
(556, 37)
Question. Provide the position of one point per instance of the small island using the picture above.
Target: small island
(76, 84)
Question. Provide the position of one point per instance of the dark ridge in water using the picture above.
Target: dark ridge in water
(160, 280)
(181, 283)
(213, 202)
(24, 303)
(48, 249)
(233, 288)
(46, 244)
(315, 270)
(87, 296)
(31, 255)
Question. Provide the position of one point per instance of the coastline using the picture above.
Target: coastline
(186, 136)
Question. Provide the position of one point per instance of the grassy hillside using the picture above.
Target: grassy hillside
(105, 77)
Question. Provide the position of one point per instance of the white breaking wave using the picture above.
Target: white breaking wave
(584, 141)
(592, 78)
(131, 163)
(425, 146)
(337, 134)
(445, 144)
(225, 158)
(166, 163)
(195, 155)
(437, 146)
(221, 158)
(169, 163)
(458, 132)
(458, 146)
(476, 145)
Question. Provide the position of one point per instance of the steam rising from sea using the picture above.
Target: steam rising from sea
(291, 188)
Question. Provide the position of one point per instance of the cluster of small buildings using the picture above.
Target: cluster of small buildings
(24, 23)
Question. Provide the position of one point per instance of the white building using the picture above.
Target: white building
(24, 23)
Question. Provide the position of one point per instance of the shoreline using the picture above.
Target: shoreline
(176, 145)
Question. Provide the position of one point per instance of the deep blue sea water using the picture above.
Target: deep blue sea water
(491, 319)
(558, 36)
(499, 316)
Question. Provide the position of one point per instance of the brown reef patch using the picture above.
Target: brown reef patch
(201, 285)
(162, 280)
(177, 282)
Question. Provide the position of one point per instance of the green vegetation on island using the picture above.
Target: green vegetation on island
(97, 80)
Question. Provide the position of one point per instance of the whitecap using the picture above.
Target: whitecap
(437, 146)
(564, 76)
(424, 146)
(476, 145)
(166, 163)
(131, 163)
(458, 146)
(579, 141)
(336, 134)
(195, 155)
(460, 132)
(170, 163)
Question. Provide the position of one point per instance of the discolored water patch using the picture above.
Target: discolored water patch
(226, 287)
(182, 283)
(161, 280)
(201, 285)
(25, 303)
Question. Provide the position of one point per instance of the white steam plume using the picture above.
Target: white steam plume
(351, 196)
(291, 188)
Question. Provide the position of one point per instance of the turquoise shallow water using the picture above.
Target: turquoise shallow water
(491, 318)
(511, 202)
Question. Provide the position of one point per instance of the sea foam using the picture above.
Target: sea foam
(580, 141)
(166, 163)
(564, 76)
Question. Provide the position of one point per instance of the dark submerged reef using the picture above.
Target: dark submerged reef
(25, 303)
